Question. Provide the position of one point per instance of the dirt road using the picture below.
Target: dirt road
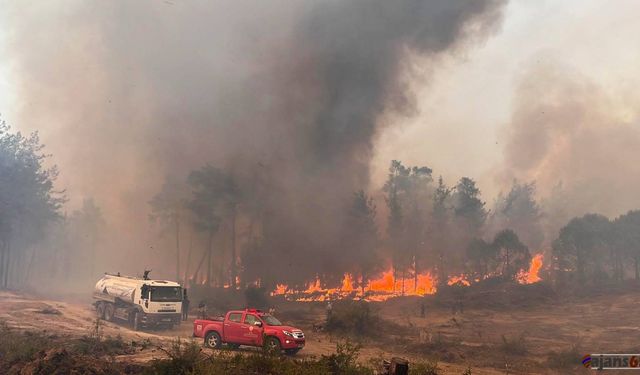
(26, 312)
(603, 324)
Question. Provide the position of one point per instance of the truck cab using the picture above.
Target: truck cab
(249, 327)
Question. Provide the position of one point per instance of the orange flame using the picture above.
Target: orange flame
(281, 289)
(461, 279)
(532, 276)
(378, 289)
(386, 286)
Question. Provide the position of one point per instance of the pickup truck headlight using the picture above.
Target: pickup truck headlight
(287, 333)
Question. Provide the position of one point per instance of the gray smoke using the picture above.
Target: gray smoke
(127, 92)
(567, 134)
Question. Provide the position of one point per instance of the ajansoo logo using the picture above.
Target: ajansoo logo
(611, 361)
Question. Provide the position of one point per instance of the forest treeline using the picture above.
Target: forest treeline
(220, 227)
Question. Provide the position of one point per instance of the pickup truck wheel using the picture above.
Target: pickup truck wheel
(213, 340)
(272, 345)
(292, 351)
(108, 312)
(100, 310)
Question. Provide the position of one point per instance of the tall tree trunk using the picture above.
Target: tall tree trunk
(508, 266)
(395, 277)
(186, 266)
(580, 265)
(3, 268)
(27, 274)
(209, 257)
(443, 273)
(177, 249)
(221, 278)
(200, 263)
(7, 263)
(2, 251)
(233, 248)
(93, 257)
(415, 273)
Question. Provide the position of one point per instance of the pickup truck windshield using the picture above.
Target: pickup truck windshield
(166, 294)
(271, 320)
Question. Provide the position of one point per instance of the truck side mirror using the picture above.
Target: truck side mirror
(257, 323)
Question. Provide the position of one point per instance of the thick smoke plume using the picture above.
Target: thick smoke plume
(575, 140)
(287, 93)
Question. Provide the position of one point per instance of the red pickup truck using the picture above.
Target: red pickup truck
(249, 327)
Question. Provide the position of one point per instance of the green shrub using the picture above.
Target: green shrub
(34, 352)
(188, 359)
(354, 317)
(565, 358)
(345, 360)
(183, 359)
(19, 346)
(424, 368)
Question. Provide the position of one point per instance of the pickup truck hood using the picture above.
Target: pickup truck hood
(285, 328)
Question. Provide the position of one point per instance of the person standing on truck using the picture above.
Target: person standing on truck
(185, 306)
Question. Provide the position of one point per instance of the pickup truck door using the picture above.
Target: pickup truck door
(233, 328)
(252, 333)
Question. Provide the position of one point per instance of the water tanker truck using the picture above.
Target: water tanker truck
(139, 301)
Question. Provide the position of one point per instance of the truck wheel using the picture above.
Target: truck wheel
(108, 312)
(100, 310)
(272, 345)
(292, 351)
(212, 340)
(135, 321)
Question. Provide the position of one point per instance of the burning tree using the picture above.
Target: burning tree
(408, 194)
(361, 238)
(481, 259)
(441, 227)
(519, 211)
(167, 207)
(470, 213)
(208, 192)
(511, 254)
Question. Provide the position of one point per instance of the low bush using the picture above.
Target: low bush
(564, 359)
(515, 346)
(18, 346)
(424, 368)
(39, 354)
(187, 358)
(354, 318)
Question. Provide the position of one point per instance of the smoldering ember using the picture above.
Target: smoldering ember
(318, 187)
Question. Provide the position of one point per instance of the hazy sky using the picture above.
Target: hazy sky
(466, 100)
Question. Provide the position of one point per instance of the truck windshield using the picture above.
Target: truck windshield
(166, 294)
(271, 320)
